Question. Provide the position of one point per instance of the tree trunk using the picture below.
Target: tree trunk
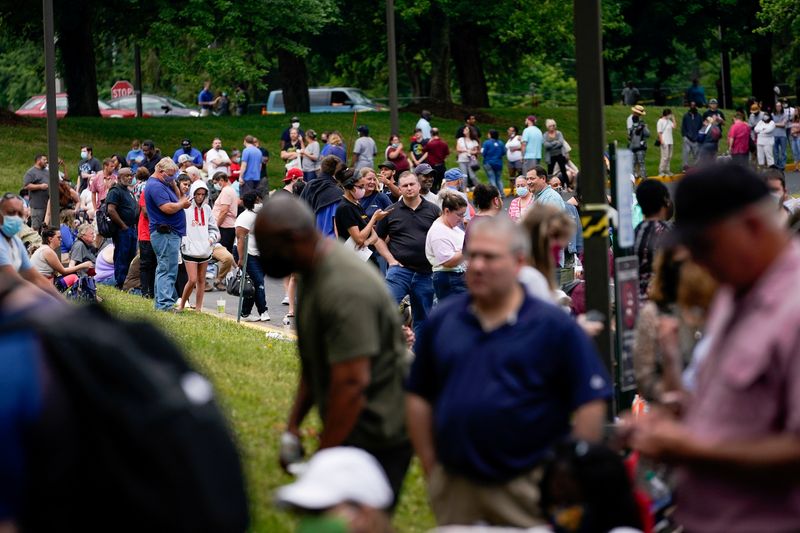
(440, 55)
(761, 71)
(76, 44)
(466, 55)
(413, 74)
(608, 94)
(294, 82)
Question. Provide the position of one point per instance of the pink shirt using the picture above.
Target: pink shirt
(101, 184)
(747, 387)
(515, 211)
(739, 138)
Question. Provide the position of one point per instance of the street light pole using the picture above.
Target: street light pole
(392, 52)
(52, 125)
(592, 179)
(137, 78)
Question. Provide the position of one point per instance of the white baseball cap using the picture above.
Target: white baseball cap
(337, 475)
(183, 158)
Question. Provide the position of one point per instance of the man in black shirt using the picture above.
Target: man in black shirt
(88, 167)
(124, 212)
(407, 228)
(151, 156)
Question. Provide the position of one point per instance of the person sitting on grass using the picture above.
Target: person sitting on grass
(47, 261)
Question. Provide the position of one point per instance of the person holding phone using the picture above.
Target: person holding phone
(664, 128)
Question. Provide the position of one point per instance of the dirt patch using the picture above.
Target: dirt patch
(7, 118)
(450, 110)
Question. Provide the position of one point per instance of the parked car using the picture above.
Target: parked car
(36, 107)
(328, 100)
(155, 106)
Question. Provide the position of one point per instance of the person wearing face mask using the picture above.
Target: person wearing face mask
(765, 141)
(443, 246)
(198, 243)
(225, 208)
(14, 261)
(286, 139)
(454, 182)
(194, 153)
(124, 213)
(165, 207)
(351, 220)
(524, 200)
(88, 167)
(653, 197)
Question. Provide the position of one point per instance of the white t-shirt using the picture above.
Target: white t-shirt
(211, 168)
(432, 198)
(441, 244)
(514, 142)
(468, 145)
(664, 127)
(535, 283)
(247, 220)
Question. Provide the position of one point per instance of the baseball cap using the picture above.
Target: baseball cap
(336, 475)
(531, 118)
(183, 158)
(186, 141)
(712, 193)
(638, 110)
(423, 169)
(292, 173)
(363, 129)
(295, 119)
(713, 101)
(454, 174)
(387, 164)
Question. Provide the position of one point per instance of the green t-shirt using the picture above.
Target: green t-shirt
(345, 311)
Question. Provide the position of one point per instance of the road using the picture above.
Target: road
(275, 294)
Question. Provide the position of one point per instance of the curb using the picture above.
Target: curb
(271, 331)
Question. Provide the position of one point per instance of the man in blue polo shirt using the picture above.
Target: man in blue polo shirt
(250, 172)
(194, 153)
(497, 379)
(167, 225)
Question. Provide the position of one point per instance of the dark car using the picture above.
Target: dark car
(36, 107)
(155, 106)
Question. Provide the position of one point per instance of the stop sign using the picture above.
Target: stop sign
(121, 88)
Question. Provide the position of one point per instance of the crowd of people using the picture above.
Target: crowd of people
(435, 321)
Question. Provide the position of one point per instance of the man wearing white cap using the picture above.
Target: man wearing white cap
(342, 490)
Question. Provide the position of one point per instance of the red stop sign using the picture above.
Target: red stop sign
(121, 88)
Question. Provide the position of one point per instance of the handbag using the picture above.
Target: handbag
(235, 282)
(473, 163)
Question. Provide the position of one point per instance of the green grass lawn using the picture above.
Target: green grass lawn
(255, 379)
(19, 144)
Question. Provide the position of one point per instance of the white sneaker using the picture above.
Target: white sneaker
(285, 300)
(252, 317)
(265, 316)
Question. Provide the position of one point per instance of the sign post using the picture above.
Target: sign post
(121, 88)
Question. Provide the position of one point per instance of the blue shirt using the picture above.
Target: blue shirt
(502, 398)
(325, 221)
(67, 239)
(6, 256)
(533, 137)
(375, 201)
(332, 149)
(156, 194)
(548, 196)
(205, 98)
(135, 158)
(252, 156)
(195, 154)
(493, 151)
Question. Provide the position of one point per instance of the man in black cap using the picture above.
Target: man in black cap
(364, 149)
(738, 443)
(194, 153)
(386, 175)
(295, 124)
(424, 173)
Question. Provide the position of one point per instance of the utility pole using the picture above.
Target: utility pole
(52, 125)
(137, 78)
(591, 135)
(392, 52)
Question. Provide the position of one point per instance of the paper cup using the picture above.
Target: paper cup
(221, 306)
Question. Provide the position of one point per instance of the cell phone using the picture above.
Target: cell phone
(390, 208)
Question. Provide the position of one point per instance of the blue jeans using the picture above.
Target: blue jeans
(167, 248)
(447, 283)
(418, 286)
(124, 252)
(495, 177)
(257, 275)
(795, 149)
(308, 176)
(779, 152)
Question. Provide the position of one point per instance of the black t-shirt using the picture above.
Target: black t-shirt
(92, 166)
(264, 154)
(348, 215)
(287, 139)
(408, 229)
(416, 149)
(150, 164)
(123, 199)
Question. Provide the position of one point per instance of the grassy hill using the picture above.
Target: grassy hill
(19, 143)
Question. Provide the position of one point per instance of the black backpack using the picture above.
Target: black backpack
(130, 438)
(105, 226)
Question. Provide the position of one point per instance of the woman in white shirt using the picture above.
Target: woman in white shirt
(47, 261)
(664, 128)
(765, 141)
(443, 246)
(468, 149)
(514, 154)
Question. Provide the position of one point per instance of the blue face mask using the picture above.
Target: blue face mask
(522, 191)
(11, 225)
(170, 179)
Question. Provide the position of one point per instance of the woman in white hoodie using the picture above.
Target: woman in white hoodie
(197, 245)
(765, 141)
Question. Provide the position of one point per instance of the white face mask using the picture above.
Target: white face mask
(295, 125)
(257, 208)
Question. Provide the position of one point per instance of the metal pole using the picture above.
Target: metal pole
(392, 52)
(243, 279)
(592, 180)
(52, 125)
(137, 78)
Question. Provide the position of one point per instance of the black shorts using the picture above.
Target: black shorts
(191, 259)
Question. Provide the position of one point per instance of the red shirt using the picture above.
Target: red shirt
(437, 151)
(235, 169)
(144, 223)
(739, 138)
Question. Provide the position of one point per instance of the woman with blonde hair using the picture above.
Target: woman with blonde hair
(549, 230)
(335, 146)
